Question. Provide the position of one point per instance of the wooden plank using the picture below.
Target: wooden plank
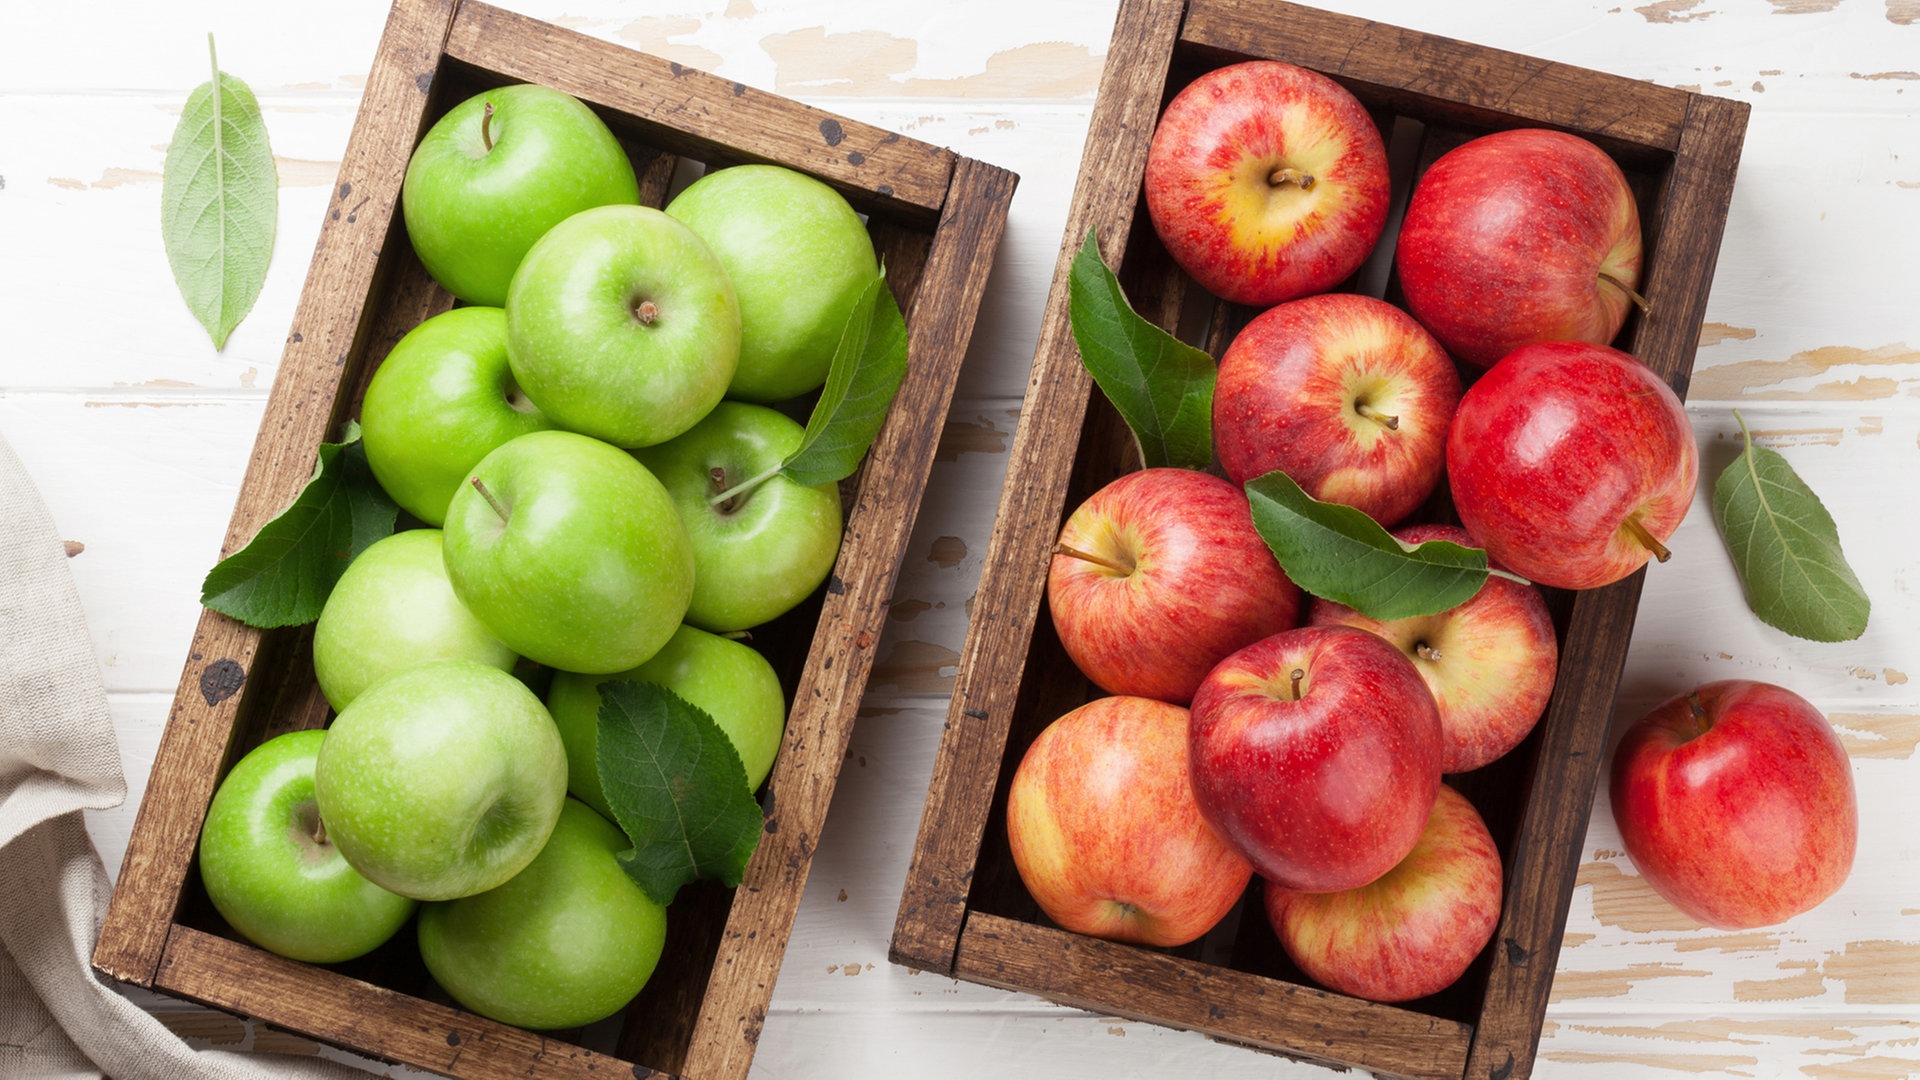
(940, 322)
(1439, 77)
(327, 331)
(371, 1019)
(712, 119)
(1298, 1021)
(927, 929)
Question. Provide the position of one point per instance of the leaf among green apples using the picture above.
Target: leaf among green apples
(676, 787)
(1161, 386)
(1339, 553)
(1786, 548)
(283, 575)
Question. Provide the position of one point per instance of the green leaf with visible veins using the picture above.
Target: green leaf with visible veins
(1786, 548)
(676, 787)
(218, 202)
(867, 368)
(1161, 386)
(283, 575)
(1341, 554)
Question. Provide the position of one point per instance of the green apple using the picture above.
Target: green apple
(799, 257)
(271, 870)
(438, 403)
(442, 780)
(571, 552)
(757, 553)
(495, 173)
(568, 941)
(394, 608)
(732, 682)
(622, 325)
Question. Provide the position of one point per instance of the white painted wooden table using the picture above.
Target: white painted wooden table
(136, 430)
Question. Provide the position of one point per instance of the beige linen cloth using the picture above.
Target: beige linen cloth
(58, 757)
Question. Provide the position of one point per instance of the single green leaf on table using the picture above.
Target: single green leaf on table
(1341, 554)
(867, 368)
(218, 199)
(1161, 386)
(676, 786)
(1786, 548)
(283, 575)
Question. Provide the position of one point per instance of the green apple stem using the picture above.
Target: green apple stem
(1638, 300)
(1298, 675)
(1087, 556)
(319, 829)
(645, 312)
(725, 498)
(498, 507)
(1290, 175)
(1385, 420)
(486, 126)
(1646, 539)
(1427, 652)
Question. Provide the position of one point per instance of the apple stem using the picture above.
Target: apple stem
(486, 126)
(728, 499)
(1086, 556)
(1385, 420)
(498, 507)
(646, 311)
(1291, 176)
(1698, 714)
(1638, 300)
(1427, 652)
(1646, 539)
(1298, 675)
(319, 829)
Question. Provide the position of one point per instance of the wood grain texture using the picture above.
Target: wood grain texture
(347, 1012)
(1250, 1009)
(1443, 78)
(715, 120)
(927, 930)
(328, 329)
(940, 321)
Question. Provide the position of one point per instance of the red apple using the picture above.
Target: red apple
(1267, 181)
(1490, 662)
(1345, 394)
(1410, 933)
(1158, 576)
(1316, 752)
(1736, 803)
(1516, 237)
(1571, 463)
(1105, 832)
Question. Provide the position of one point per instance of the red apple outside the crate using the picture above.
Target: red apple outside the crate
(1490, 662)
(1520, 236)
(1316, 752)
(1159, 575)
(1736, 802)
(1412, 932)
(1105, 833)
(1572, 464)
(1345, 394)
(1267, 181)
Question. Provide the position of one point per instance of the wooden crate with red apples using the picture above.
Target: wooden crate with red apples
(966, 911)
(936, 219)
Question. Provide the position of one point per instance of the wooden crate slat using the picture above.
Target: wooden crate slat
(940, 322)
(1467, 83)
(927, 930)
(1221, 1002)
(328, 327)
(703, 116)
(370, 1019)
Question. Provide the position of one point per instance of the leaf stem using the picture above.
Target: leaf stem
(486, 126)
(1508, 574)
(1638, 300)
(498, 507)
(1087, 556)
(745, 486)
(1646, 539)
